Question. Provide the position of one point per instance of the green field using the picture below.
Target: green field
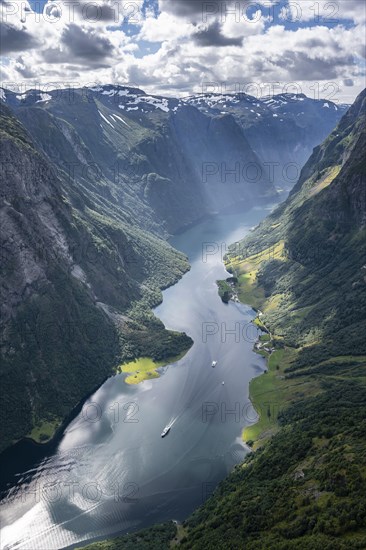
(44, 431)
(145, 368)
(272, 392)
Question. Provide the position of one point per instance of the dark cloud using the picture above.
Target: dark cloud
(63, 57)
(84, 47)
(182, 7)
(212, 36)
(312, 43)
(86, 43)
(301, 67)
(15, 40)
(202, 10)
(54, 55)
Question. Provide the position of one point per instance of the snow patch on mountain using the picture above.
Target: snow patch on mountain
(134, 102)
(44, 97)
(114, 92)
(121, 120)
(105, 119)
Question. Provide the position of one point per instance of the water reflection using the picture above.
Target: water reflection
(112, 472)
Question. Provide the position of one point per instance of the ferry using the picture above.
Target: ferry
(165, 431)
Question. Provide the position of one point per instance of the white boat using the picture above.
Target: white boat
(223, 383)
(214, 363)
(165, 431)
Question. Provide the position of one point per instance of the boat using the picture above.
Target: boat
(214, 363)
(223, 383)
(165, 431)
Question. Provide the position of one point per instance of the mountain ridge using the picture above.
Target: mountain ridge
(282, 129)
(304, 269)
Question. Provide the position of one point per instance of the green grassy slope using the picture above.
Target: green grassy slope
(304, 268)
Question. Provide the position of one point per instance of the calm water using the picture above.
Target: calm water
(111, 471)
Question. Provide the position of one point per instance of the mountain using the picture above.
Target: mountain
(160, 160)
(304, 269)
(77, 286)
(282, 129)
(304, 266)
(94, 181)
(316, 241)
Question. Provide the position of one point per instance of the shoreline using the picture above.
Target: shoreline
(146, 368)
(54, 438)
(11, 458)
(266, 383)
(267, 392)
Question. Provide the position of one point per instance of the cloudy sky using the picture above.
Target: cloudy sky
(180, 47)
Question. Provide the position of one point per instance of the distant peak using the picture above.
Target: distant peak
(116, 89)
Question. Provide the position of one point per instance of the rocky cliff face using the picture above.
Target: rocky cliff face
(282, 129)
(70, 273)
(34, 215)
(318, 275)
(344, 150)
(159, 158)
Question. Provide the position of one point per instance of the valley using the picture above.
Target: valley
(113, 444)
(104, 201)
(182, 275)
(303, 486)
(148, 359)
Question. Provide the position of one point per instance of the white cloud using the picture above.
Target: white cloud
(325, 11)
(229, 52)
(244, 27)
(165, 27)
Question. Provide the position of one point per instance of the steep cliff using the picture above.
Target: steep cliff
(77, 285)
(159, 160)
(282, 129)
